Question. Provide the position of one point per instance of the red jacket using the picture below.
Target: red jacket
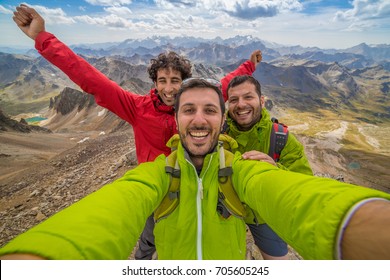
(153, 124)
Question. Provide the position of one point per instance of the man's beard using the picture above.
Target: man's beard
(192, 155)
(212, 148)
(247, 126)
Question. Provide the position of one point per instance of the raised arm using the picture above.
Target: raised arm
(107, 93)
(246, 68)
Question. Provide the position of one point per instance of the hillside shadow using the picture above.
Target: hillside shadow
(367, 169)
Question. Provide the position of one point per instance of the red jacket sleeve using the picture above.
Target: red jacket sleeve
(247, 68)
(107, 93)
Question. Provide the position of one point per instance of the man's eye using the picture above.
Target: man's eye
(211, 111)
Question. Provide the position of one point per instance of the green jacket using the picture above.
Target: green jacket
(306, 211)
(292, 157)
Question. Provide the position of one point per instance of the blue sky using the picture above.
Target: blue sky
(310, 23)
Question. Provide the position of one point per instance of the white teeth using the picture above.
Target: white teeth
(243, 112)
(198, 134)
(169, 95)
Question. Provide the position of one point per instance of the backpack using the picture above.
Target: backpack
(278, 139)
(228, 200)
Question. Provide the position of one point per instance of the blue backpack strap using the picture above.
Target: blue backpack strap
(278, 139)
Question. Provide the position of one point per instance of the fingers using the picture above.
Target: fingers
(256, 155)
(21, 20)
(22, 17)
(259, 56)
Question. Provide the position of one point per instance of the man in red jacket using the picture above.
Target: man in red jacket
(151, 116)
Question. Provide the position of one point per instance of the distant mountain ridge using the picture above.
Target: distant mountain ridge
(296, 77)
(233, 49)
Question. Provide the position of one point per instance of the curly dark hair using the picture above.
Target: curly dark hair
(170, 60)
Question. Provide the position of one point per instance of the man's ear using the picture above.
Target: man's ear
(262, 101)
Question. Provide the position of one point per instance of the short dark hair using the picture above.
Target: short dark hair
(199, 83)
(238, 80)
(170, 60)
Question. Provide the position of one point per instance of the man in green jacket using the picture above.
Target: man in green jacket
(249, 123)
(320, 217)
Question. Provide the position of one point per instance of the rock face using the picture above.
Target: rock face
(70, 99)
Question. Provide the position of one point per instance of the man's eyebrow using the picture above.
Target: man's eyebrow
(244, 94)
(211, 105)
(193, 104)
(188, 104)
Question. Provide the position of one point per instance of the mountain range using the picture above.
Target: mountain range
(302, 78)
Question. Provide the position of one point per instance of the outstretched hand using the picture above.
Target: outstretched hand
(29, 21)
(256, 155)
(256, 57)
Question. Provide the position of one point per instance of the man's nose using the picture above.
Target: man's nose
(169, 87)
(199, 118)
(240, 102)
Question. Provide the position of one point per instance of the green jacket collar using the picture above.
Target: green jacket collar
(244, 137)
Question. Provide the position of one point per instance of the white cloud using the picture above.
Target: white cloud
(119, 11)
(53, 16)
(243, 9)
(108, 2)
(111, 21)
(365, 15)
(365, 9)
(173, 4)
(4, 10)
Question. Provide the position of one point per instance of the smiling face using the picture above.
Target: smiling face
(168, 84)
(245, 105)
(199, 120)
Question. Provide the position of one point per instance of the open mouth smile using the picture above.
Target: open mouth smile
(242, 113)
(169, 95)
(198, 134)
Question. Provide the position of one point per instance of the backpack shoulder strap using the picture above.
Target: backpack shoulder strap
(227, 196)
(171, 199)
(279, 135)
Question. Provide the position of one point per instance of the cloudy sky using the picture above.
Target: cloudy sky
(324, 24)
